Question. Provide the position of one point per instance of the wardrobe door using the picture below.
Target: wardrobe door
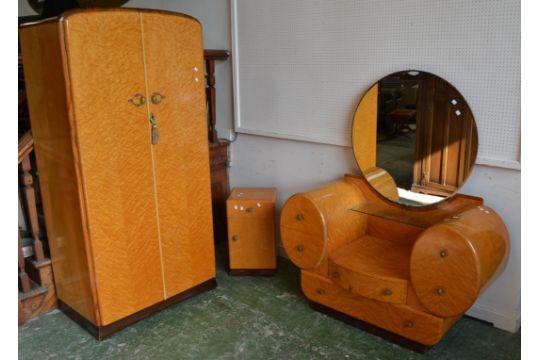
(176, 91)
(106, 70)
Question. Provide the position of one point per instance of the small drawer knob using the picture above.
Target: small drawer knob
(234, 237)
(321, 292)
(440, 291)
(300, 217)
(443, 254)
(408, 324)
(157, 98)
(300, 248)
(387, 292)
(249, 210)
(137, 100)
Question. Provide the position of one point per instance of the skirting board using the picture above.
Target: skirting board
(503, 322)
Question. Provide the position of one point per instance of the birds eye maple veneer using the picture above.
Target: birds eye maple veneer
(407, 273)
(251, 230)
(118, 115)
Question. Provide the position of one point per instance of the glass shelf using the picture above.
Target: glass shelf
(404, 216)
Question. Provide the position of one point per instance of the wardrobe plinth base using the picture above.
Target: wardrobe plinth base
(252, 272)
(103, 332)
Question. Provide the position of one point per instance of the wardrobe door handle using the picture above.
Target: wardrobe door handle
(137, 100)
(157, 98)
(154, 131)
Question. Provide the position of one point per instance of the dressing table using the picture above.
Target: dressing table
(396, 250)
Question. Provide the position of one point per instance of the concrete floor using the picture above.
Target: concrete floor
(397, 155)
(250, 318)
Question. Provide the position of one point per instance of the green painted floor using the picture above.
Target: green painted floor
(250, 318)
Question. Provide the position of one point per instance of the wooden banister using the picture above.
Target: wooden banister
(24, 280)
(26, 146)
(210, 56)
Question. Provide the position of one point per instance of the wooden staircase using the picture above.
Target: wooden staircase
(36, 284)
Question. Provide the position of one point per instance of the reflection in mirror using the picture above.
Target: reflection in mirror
(414, 138)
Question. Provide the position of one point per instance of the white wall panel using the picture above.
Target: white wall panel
(302, 66)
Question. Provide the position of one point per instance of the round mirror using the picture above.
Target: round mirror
(414, 138)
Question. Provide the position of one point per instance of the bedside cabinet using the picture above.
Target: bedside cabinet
(251, 231)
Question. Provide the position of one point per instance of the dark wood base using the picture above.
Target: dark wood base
(103, 332)
(252, 272)
(396, 339)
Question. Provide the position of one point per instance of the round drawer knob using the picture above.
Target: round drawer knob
(408, 324)
(387, 292)
(335, 274)
(300, 248)
(321, 292)
(443, 254)
(300, 217)
(249, 210)
(157, 98)
(440, 291)
(234, 237)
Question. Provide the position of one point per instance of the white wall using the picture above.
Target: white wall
(306, 61)
(25, 9)
(294, 166)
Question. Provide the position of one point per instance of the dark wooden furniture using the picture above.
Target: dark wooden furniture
(251, 223)
(210, 57)
(219, 177)
(219, 149)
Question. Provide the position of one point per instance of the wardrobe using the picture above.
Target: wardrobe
(118, 115)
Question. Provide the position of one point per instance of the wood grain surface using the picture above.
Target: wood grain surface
(400, 319)
(174, 61)
(303, 231)
(364, 130)
(320, 221)
(118, 184)
(251, 203)
(452, 261)
(129, 223)
(251, 228)
(58, 179)
(253, 194)
(252, 244)
(411, 271)
(372, 267)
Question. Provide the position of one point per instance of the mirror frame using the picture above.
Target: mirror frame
(362, 146)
